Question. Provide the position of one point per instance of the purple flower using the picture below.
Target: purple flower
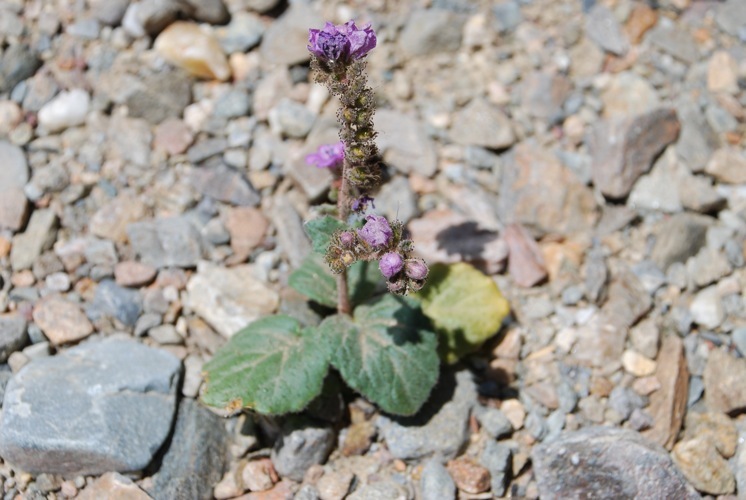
(361, 204)
(376, 231)
(415, 269)
(327, 156)
(390, 264)
(345, 42)
(347, 238)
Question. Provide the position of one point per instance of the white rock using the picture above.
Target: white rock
(68, 109)
(707, 308)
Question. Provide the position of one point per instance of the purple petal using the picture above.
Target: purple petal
(390, 264)
(376, 231)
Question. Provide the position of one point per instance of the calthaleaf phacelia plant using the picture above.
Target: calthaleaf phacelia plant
(382, 343)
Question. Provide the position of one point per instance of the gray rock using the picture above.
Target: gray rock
(740, 465)
(680, 237)
(602, 27)
(385, 489)
(302, 443)
(243, 33)
(196, 456)
(697, 140)
(166, 242)
(494, 422)
(436, 483)
(602, 462)
(544, 94)
(208, 11)
(596, 274)
(38, 237)
(708, 266)
(13, 335)
(482, 124)
(496, 457)
(650, 276)
(86, 411)
(260, 6)
(225, 184)
(109, 12)
(14, 172)
(206, 149)
(624, 149)
(113, 300)
(404, 144)
(440, 429)
(506, 16)
(291, 119)
(731, 18)
(162, 95)
(17, 63)
(290, 232)
(396, 200)
(738, 336)
(676, 41)
(129, 139)
(286, 39)
(431, 31)
(232, 104)
(150, 16)
(307, 492)
(624, 401)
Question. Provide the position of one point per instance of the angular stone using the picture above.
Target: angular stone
(247, 227)
(602, 27)
(162, 95)
(173, 136)
(13, 336)
(440, 429)
(680, 237)
(445, 236)
(538, 192)
(668, 404)
(431, 31)
(404, 144)
(225, 184)
(196, 456)
(113, 485)
(208, 11)
(17, 63)
(85, 411)
(187, 46)
(435, 481)
(722, 73)
(335, 485)
(728, 165)
(715, 428)
(697, 140)
(604, 462)
(285, 40)
(624, 149)
(14, 208)
(291, 119)
(292, 237)
(38, 237)
(731, 16)
(166, 242)
(675, 40)
(724, 374)
(243, 32)
(641, 19)
(482, 124)
(302, 443)
(131, 273)
(14, 172)
(468, 475)
(229, 299)
(61, 321)
(628, 95)
(701, 464)
(115, 301)
(111, 220)
(525, 260)
(67, 109)
(544, 94)
(707, 308)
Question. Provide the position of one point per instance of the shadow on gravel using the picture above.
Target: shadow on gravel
(466, 240)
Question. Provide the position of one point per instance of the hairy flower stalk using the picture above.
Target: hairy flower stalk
(338, 59)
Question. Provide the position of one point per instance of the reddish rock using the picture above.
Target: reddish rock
(469, 476)
(668, 404)
(259, 475)
(247, 227)
(61, 321)
(623, 149)
(525, 262)
(173, 136)
(284, 490)
(113, 485)
(640, 20)
(131, 273)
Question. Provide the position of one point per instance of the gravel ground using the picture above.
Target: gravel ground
(590, 156)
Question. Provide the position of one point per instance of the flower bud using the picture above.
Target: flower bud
(416, 269)
(390, 264)
(347, 238)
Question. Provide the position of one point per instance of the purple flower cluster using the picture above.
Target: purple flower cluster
(376, 232)
(327, 156)
(343, 43)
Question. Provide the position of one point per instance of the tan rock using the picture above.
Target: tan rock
(724, 377)
(701, 464)
(247, 227)
(111, 220)
(525, 260)
(187, 46)
(513, 409)
(668, 404)
(640, 20)
(637, 364)
(716, 428)
(61, 321)
(113, 485)
(132, 273)
(469, 476)
(728, 165)
(722, 73)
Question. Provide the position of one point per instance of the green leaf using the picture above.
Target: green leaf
(386, 353)
(272, 366)
(320, 231)
(466, 307)
(314, 280)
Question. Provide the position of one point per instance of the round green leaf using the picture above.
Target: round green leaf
(321, 230)
(386, 353)
(314, 280)
(272, 366)
(466, 307)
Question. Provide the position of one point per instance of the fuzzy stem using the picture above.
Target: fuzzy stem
(343, 210)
